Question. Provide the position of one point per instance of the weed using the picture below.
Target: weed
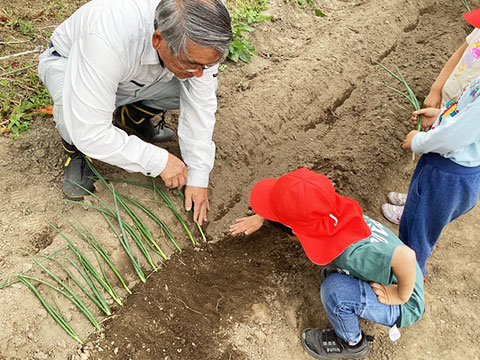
(304, 4)
(243, 14)
(240, 47)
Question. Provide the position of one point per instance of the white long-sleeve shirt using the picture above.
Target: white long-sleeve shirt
(108, 43)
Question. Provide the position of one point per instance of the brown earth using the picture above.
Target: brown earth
(311, 98)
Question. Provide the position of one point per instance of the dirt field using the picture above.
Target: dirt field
(311, 98)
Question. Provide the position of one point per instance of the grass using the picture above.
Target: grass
(24, 29)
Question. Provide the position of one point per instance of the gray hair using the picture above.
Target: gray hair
(204, 22)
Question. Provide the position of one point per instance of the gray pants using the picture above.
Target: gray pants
(51, 70)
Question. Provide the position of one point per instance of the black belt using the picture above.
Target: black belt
(54, 52)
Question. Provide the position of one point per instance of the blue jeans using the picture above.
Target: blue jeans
(346, 298)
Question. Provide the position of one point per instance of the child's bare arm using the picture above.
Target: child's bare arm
(247, 225)
(434, 97)
(404, 267)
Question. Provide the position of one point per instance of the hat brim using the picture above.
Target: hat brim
(473, 18)
(260, 198)
(322, 250)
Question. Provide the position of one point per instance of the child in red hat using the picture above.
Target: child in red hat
(372, 275)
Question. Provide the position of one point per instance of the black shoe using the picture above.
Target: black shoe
(137, 118)
(78, 175)
(325, 344)
(327, 270)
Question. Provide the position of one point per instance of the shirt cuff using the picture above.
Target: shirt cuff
(417, 143)
(198, 178)
(158, 164)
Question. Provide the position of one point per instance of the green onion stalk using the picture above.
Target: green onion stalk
(408, 94)
(55, 314)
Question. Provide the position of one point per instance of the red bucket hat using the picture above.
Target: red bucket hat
(325, 222)
(473, 18)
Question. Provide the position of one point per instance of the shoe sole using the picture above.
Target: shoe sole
(359, 355)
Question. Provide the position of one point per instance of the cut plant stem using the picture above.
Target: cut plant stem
(155, 218)
(5, 283)
(182, 196)
(72, 296)
(141, 227)
(166, 201)
(96, 245)
(116, 215)
(89, 268)
(122, 239)
(95, 295)
(58, 317)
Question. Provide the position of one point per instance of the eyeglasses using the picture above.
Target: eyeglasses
(202, 67)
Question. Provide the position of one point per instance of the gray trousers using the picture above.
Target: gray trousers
(51, 70)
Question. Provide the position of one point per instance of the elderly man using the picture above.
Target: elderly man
(136, 59)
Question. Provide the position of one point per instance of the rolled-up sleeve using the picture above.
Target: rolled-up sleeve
(198, 104)
(91, 80)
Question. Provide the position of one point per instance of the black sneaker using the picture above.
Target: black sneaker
(78, 175)
(325, 344)
(137, 118)
(327, 270)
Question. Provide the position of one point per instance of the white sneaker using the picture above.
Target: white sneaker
(392, 213)
(397, 198)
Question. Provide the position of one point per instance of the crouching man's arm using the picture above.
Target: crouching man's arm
(403, 266)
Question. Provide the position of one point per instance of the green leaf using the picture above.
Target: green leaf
(319, 12)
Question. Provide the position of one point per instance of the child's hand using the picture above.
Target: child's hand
(407, 143)
(247, 225)
(387, 294)
(429, 115)
(433, 99)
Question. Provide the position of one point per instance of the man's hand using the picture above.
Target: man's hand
(175, 173)
(198, 197)
(407, 143)
(387, 294)
(247, 225)
(429, 115)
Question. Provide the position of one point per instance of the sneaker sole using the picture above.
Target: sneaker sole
(359, 355)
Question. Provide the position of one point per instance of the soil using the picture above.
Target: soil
(312, 97)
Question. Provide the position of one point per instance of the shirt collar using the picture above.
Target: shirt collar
(149, 54)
